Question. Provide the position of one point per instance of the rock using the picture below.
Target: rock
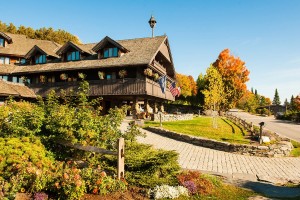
(263, 147)
(265, 139)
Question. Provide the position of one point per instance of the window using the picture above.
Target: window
(111, 52)
(1, 42)
(23, 61)
(40, 59)
(4, 60)
(108, 76)
(4, 78)
(14, 79)
(73, 55)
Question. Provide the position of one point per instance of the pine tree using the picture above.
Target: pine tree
(276, 100)
(292, 103)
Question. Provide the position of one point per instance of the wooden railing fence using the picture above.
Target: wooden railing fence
(119, 153)
(246, 125)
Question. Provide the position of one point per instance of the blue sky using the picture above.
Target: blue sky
(263, 33)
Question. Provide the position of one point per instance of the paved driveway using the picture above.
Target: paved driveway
(283, 128)
(228, 164)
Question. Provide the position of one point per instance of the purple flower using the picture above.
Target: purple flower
(40, 196)
(190, 185)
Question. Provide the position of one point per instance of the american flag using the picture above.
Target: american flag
(173, 89)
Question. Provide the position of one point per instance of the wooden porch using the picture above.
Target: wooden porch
(113, 87)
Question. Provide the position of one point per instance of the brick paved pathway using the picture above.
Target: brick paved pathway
(228, 164)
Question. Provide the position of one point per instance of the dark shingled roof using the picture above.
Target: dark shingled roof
(142, 51)
(21, 45)
(15, 89)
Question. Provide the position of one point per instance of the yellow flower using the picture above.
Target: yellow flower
(22, 190)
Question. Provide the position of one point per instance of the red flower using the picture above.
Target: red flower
(95, 191)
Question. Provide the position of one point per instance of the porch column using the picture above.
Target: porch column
(135, 108)
(155, 107)
(161, 107)
(147, 106)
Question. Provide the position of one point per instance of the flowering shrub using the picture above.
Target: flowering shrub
(42, 78)
(122, 73)
(69, 184)
(101, 75)
(24, 166)
(148, 72)
(40, 196)
(63, 76)
(166, 191)
(195, 184)
(155, 76)
(20, 119)
(98, 182)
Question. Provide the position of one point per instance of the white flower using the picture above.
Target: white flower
(166, 191)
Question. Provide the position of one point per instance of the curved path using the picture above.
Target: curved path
(226, 164)
(282, 127)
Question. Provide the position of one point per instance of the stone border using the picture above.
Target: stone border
(171, 117)
(280, 149)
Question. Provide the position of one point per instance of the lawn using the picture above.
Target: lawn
(202, 126)
(296, 151)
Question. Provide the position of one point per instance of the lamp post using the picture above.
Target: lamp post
(152, 23)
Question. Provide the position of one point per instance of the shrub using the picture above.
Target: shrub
(19, 119)
(166, 191)
(24, 165)
(145, 166)
(195, 183)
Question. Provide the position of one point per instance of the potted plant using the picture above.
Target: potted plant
(63, 76)
(42, 78)
(148, 72)
(122, 73)
(101, 75)
(155, 76)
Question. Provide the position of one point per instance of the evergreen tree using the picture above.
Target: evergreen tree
(292, 103)
(276, 100)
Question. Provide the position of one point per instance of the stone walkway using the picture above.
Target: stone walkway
(274, 170)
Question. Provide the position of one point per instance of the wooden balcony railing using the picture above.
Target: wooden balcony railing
(127, 86)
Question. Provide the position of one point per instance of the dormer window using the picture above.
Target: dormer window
(74, 55)
(2, 42)
(110, 52)
(40, 59)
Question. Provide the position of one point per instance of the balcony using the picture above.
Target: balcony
(127, 86)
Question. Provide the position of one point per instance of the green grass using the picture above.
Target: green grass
(202, 127)
(296, 151)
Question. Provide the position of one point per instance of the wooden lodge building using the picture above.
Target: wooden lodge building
(120, 71)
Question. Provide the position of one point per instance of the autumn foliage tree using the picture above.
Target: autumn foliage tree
(214, 88)
(188, 89)
(234, 75)
(187, 85)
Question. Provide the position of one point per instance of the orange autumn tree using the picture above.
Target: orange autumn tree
(187, 85)
(234, 75)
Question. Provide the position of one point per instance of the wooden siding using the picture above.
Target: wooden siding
(129, 86)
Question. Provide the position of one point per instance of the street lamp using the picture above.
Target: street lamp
(152, 23)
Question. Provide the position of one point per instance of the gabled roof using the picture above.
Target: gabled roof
(9, 40)
(78, 47)
(15, 89)
(142, 52)
(107, 40)
(36, 48)
(21, 45)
